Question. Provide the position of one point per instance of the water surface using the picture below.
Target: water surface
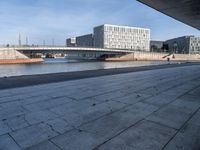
(63, 65)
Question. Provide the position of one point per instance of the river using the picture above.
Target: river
(63, 65)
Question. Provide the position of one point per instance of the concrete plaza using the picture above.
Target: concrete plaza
(147, 110)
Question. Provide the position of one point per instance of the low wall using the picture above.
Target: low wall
(148, 56)
(21, 61)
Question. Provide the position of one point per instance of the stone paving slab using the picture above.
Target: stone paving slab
(187, 139)
(33, 135)
(17, 122)
(92, 112)
(154, 109)
(160, 100)
(77, 140)
(59, 125)
(47, 145)
(143, 136)
(7, 143)
(47, 104)
(170, 116)
(11, 112)
(4, 128)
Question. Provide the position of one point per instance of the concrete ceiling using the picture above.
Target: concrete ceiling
(186, 11)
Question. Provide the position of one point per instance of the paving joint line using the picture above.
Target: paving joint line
(180, 128)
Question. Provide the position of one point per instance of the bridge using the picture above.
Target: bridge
(72, 52)
(70, 49)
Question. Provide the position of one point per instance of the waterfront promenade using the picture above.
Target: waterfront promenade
(145, 110)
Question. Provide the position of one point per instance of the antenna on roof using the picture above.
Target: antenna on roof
(44, 43)
(20, 42)
(53, 42)
(26, 41)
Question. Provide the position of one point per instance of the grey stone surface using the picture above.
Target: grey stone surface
(160, 100)
(152, 109)
(77, 140)
(187, 139)
(195, 92)
(59, 125)
(142, 109)
(39, 116)
(47, 104)
(110, 125)
(4, 128)
(143, 136)
(170, 116)
(33, 135)
(11, 112)
(196, 119)
(132, 98)
(47, 145)
(17, 122)
(92, 112)
(7, 143)
(187, 103)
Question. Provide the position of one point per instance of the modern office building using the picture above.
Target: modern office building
(114, 37)
(184, 45)
(122, 37)
(85, 41)
(156, 46)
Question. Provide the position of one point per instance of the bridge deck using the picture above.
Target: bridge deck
(79, 49)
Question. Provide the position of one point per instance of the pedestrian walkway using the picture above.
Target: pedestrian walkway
(147, 110)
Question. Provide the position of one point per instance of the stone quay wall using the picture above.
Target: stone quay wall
(148, 56)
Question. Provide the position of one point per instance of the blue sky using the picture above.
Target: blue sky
(46, 19)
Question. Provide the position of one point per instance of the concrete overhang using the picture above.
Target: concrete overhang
(186, 11)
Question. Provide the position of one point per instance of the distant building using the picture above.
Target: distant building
(114, 37)
(156, 46)
(85, 41)
(71, 42)
(184, 45)
(121, 37)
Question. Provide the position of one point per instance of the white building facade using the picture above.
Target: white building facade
(122, 37)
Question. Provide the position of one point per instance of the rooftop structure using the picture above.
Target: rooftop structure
(71, 42)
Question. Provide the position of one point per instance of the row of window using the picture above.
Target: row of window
(127, 34)
(127, 47)
(128, 30)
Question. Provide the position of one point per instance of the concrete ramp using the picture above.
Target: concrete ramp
(11, 54)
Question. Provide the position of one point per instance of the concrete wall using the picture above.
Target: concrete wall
(99, 37)
(156, 56)
(11, 54)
